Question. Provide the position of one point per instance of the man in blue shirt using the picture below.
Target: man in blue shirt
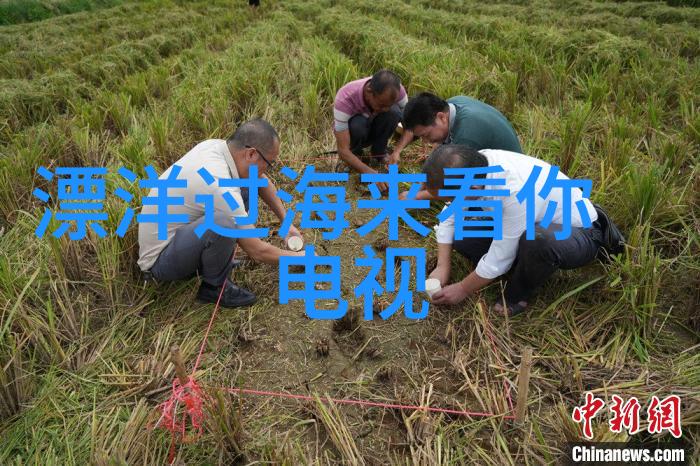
(458, 120)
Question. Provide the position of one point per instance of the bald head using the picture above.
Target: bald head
(256, 133)
(451, 156)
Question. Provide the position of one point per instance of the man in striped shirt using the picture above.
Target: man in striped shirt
(366, 113)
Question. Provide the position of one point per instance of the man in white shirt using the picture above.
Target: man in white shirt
(531, 261)
(180, 253)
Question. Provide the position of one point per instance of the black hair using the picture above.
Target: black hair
(384, 79)
(422, 110)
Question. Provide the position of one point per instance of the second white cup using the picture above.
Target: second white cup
(432, 286)
(295, 243)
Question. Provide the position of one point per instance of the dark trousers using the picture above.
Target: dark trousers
(187, 255)
(374, 131)
(540, 257)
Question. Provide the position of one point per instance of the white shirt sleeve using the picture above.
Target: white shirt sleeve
(502, 252)
(445, 231)
(341, 120)
(402, 103)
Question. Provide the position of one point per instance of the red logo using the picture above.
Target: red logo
(661, 415)
(586, 412)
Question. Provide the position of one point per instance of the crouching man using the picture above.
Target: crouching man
(366, 113)
(531, 262)
(185, 254)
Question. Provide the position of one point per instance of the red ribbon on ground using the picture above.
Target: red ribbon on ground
(191, 397)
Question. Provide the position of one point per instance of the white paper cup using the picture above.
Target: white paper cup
(432, 286)
(295, 243)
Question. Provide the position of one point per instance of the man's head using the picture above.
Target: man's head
(450, 156)
(382, 90)
(255, 142)
(428, 116)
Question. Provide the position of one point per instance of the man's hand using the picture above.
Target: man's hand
(300, 253)
(293, 231)
(451, 294)
(442, 273)
(393, 158)
(420, 195)
(383, 187)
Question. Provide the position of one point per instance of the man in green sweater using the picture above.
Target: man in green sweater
(458, 120)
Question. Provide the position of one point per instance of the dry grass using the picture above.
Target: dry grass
(609, 93)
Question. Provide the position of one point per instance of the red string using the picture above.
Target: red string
(190, 395)
(211, 320)
(364, 403)
(193, 398)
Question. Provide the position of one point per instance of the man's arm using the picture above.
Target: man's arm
(444, 235)
(473, 283)
(457, 292)
(406, 136)
(444, 266)
(406, 139)
(496, 262)
(270, 197)
(423, 194)
(342, 139)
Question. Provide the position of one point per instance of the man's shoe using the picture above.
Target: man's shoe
(611, 236)
(233, 295)
(512, 309)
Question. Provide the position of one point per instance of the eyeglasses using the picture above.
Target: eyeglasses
(269, 164)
